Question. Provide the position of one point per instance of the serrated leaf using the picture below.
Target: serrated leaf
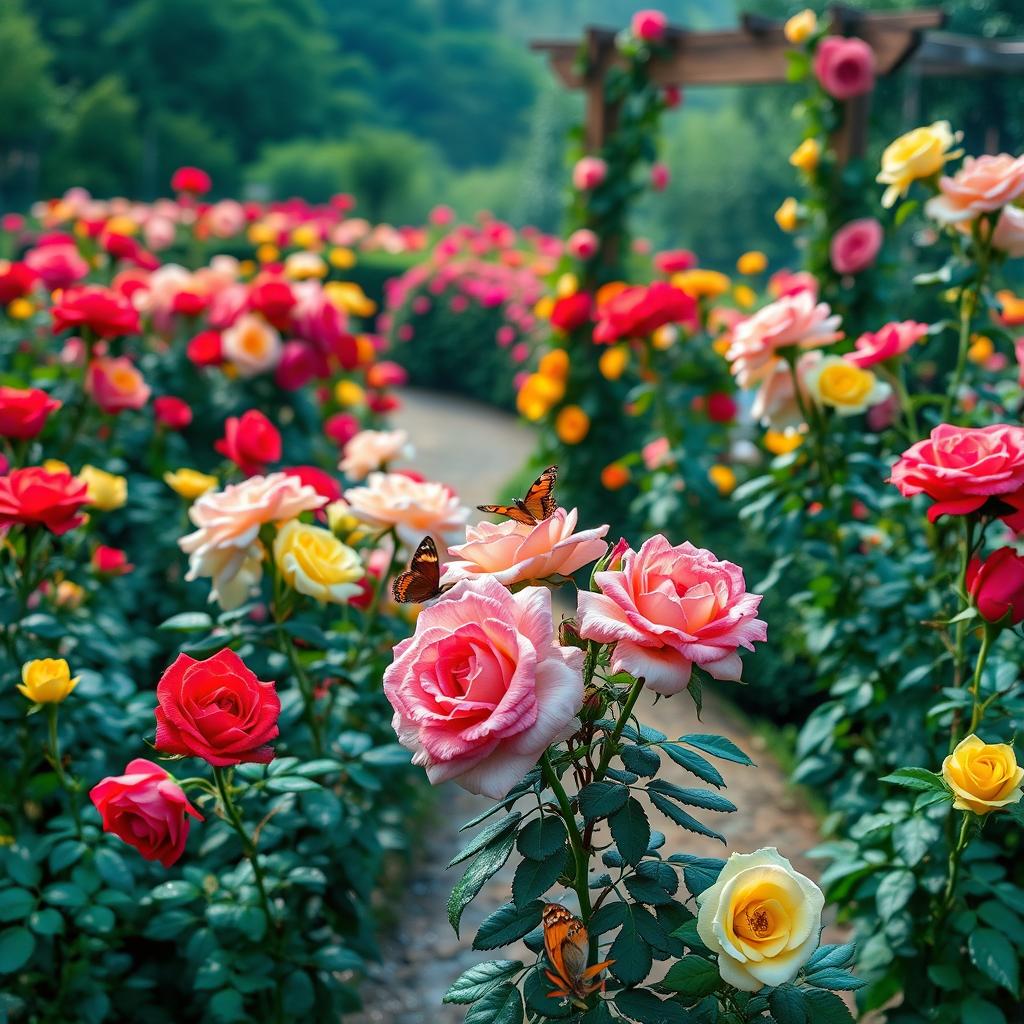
(506, 924)
(539, 838)
(601, 799)
(533, 878)
(915, 778)
(646, 1008)
(485, 837)
(631, 831)
(630, 952)
(643, 761)
(681, 818)
(788, 1005)
(693, 977)
(693, 797)
(717, 746)
(826, 1007)
(993, 955)
(834, 979)
(487, 862)
(894, 892)
(831, 956)
(503, 1005)
(694, 764)
(481, 979)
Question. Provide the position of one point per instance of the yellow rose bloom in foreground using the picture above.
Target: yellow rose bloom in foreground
(762, 918)
(315, 563)
(800, 27)
(983, 776)
(919, 154)
(46, 680)
(189, 483)
(844, 387)
(106, 491)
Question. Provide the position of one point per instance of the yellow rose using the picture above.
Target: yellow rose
(69, 594)
(723, 478)
(701, 284)
(568, 284)
(787, 216)
(782, 442)
(190, 483)
(800, 27)
(302, 266)
(537, 395)
(106, 491)
(762, 918)
(613, 362)
(122, 225)
(305, 236)
(348, 394)
(806, 156)
(262, 234)
(350, 297)
(982, 776)
(341, 258)
(572, 424)
(554, 364)
(919, 154)
(981, 350)
(46, 680)
(844, 387)
(20, 309)
(753, 262)
(744, 296)
(343, 523)
(315, 563)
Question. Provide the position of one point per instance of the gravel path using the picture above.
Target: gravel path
(476, 449)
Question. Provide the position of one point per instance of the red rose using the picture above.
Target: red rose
(23, 413)
(189, 303)
(996, 586)
(192, 180)
(111, 561)
(721, 407)
(341, 428)
(386, 374)
(571, 312)
(147, 809)
(312, 476)
(16, 281)
(382, 404)
(173, 412)
(37, 497)
(206, 349)
(250, 441)
(299, 364)
(273, 300)
(640, 311)
(217, 710)
(106, 313)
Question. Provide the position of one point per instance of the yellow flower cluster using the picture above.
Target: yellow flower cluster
(543, 390)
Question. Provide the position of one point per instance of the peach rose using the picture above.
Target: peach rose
(373, 449)
(669, 608)
(115, 384)
(775, 404)
(887, 342)
(482, 689)
(1008, 236)
(412, 507)
(251, 345)
(517, 553)
(982, 184)
(226, 547)
(794, 321)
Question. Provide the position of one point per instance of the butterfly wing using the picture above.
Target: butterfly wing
(557, 922)
(421, 581)
(510, 512)
(540, 499)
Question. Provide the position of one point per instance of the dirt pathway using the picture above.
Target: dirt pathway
(477, 449)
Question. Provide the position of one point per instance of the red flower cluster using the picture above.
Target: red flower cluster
(638, 312)
(250, 441)
(23, 412)
(106, 313)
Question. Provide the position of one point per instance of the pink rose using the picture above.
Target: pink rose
(115, 384)
(855, 246)
(582, 244)
(982, 184)
(962, 468)
(789, 282)
(649, 25)
(1008, 236)
(517, 553)
(794, 321)
(887, 342)
(660, 177)
(845, 67)
(481, 689)
(669, 608)
(58, 265)
(672, 261)
(656, 453)
(1018, 351)
(588, 173)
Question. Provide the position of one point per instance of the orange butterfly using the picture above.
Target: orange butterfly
(538, 504)
(568, 948)
(421, 581)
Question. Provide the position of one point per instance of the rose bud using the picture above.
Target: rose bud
(996, 586)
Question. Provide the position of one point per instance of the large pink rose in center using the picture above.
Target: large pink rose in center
(481, 688)
(669, 608)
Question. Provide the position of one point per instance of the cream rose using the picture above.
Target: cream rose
(251, 345)
(762, 918)
(983, 776)
(919, 154)
(373, 449)
(315, 563)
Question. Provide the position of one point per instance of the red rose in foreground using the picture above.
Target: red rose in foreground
(250, 441)
(147, 809)
(173, 412)
(996, 586)
(37, 497)
(192, 180)
(217, 710)
(23, 412)
(571, 312)
(640, 311)
(106, 313)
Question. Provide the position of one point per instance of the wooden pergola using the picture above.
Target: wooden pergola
(755, 54)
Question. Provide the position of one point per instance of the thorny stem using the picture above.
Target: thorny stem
(71, 785)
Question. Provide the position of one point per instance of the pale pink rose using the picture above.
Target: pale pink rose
(649, 25)
(116, 384)
(1008, 236)
(794, 321)
(982, 184)
(58, 265)
(660, 177)
(159, 233)
(855, 246)
(670, 608)
(589, 172)
(225, 218)
(582, 244)
(482, 689)
(887, 342)
(789, 282)
(251, 345)
(518, 553)
(373, 449)
(225, 546)
(412, 507)
(656, 453)
(845, 67)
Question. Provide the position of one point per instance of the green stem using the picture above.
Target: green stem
(979, 707)
(611, 745)
(70, 785)
(378, 593)
(954, 867)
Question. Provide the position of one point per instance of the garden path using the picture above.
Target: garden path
(476, 448)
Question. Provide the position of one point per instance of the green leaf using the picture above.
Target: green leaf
(338, 958)
(176, 889)
(227, 1006)
(298, 994)
(46, 922)
(16, 904)
(631, 831)
(113, 870)
(831, 956)
(835, 979)
(16, 946)
(826, 1007)
(915, 778)
(914, 837)
(486, 863)
(481, 979)
(601, 799)
(631, 954)
(391, 755)
(699, 873)
(681, 818)
(541, 837)
(187, 622)
(695, 764)
(642, 761)
(704, 798)
(693, 977)
(646, 1008)
(993, 955)
(96, 920)
(787, 1005)
(533, 878)
(894, 891)
(64, 895)
(506, 924)
(65, 854)
(503, 1005)
(717, 746)
(321, 766)
(975, 1010)
(485, 837)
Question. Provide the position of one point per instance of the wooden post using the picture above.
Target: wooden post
(850, 140)
(600, 115)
